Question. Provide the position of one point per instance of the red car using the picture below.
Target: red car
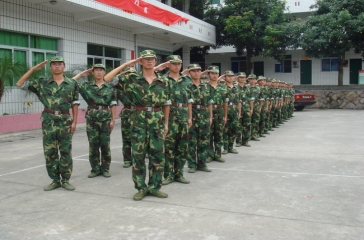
(301, 99)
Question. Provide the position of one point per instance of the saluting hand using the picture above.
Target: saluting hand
(40, 65)
(185, 72)
(161, 66)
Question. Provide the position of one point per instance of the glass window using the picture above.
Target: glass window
(20, 56)
(13, 39)
(285, 66)
(112, 52)
(215, 2)
(334, 65)
(95, 50)
(43, 43)
(328, 65)
(5, 53)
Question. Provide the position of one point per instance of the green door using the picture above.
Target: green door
(306, 72)
(355, 66)
(259, 68)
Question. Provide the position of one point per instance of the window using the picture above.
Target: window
(285, 66)
(215, 2)
(238, 64)
(109, 56)
(28, 49)
(329, 64)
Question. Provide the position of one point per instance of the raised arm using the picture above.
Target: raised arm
(108, 77)
(26, 76)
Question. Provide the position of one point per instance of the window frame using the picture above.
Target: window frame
(104, 58)
(285, 64)
(330, 64)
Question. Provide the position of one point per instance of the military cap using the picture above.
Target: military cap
(174, 59)
(268, 79)
(194, 66)
(130, 69)
(56, 59)
(204, 77)
(229, 73)
(241, 74)
(252, 76)
(213, 69)
(99, 65)
(261, 78)
(148, 54)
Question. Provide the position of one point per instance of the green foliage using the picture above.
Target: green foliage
(254, 27)
(334, 28)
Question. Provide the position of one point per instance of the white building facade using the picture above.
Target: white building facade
(297, 67)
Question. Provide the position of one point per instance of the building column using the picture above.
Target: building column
(186, 6)
(186, 56)
(169, 3)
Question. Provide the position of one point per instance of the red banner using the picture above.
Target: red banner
(146, 10)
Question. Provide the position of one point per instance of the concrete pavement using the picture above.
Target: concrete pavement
(303, 181)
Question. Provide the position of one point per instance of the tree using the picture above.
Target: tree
(254, 27)
(333, 29)
(9, 70)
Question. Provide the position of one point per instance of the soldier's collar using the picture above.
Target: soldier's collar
(65, 80)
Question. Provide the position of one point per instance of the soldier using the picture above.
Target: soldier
(204, 78)
(291, 102)
(125, 115)
(149, 94)
(255, 92)
(270, 105)
(263, 96)
(180, 119)
(234, 113)
(199, 132)
(58, 94)
(100, 118)
(244, 133)
(219, 95)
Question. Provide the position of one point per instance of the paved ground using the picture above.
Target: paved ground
(304, 181)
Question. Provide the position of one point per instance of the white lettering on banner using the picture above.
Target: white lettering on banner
(145, 9)
(136, 2)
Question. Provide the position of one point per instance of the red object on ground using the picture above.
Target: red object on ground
(146, 10)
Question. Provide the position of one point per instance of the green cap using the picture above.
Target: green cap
(56, 59)
(99, 65)
(252, 76)
(268, 80)
(214, 69)
(194, 66)
(204, 77)
(229, 73)
(241, 74)
(174, 59)
(148, 54)
(274, 80)
(261, 78)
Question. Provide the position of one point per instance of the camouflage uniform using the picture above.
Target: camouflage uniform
(244, 133)
(98, 123)
(199, 132)
(263, 96)
(220, 97)
(56, 127)
(125, 115)
(147, 127)
(231, 128)
(255, 92)
(176, 143)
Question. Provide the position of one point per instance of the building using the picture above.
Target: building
(86, 32)
(296, 68)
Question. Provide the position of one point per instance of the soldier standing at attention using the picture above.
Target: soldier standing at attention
(255, 92)
(180, 119)
(244, 133)
(199, 132)
(234, 113)
(125, 115)
(263, 96)
(100, 118)
(219, 95)
(149, 94)
(58, 94)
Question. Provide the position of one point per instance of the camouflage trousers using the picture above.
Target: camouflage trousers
(244, 125)
(98, 134)
(176, 146)
(277, 116)
(57, 137)
(269, 119)
(231, 128)
(199, 138)
(216, 133)
(262, 121)
(125, 134)
(145, 139)
(255, 120)
(291, 107)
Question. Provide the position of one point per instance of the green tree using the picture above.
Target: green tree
(335, 27)
(253, 27)
(9, 70)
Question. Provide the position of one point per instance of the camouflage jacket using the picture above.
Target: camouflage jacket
(143, 94)
(255, 92)
(95, 96)
(201, 95)
(264, 93)
(180, 93)
(54, 97)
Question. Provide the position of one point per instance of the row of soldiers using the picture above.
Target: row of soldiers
(175, 118)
